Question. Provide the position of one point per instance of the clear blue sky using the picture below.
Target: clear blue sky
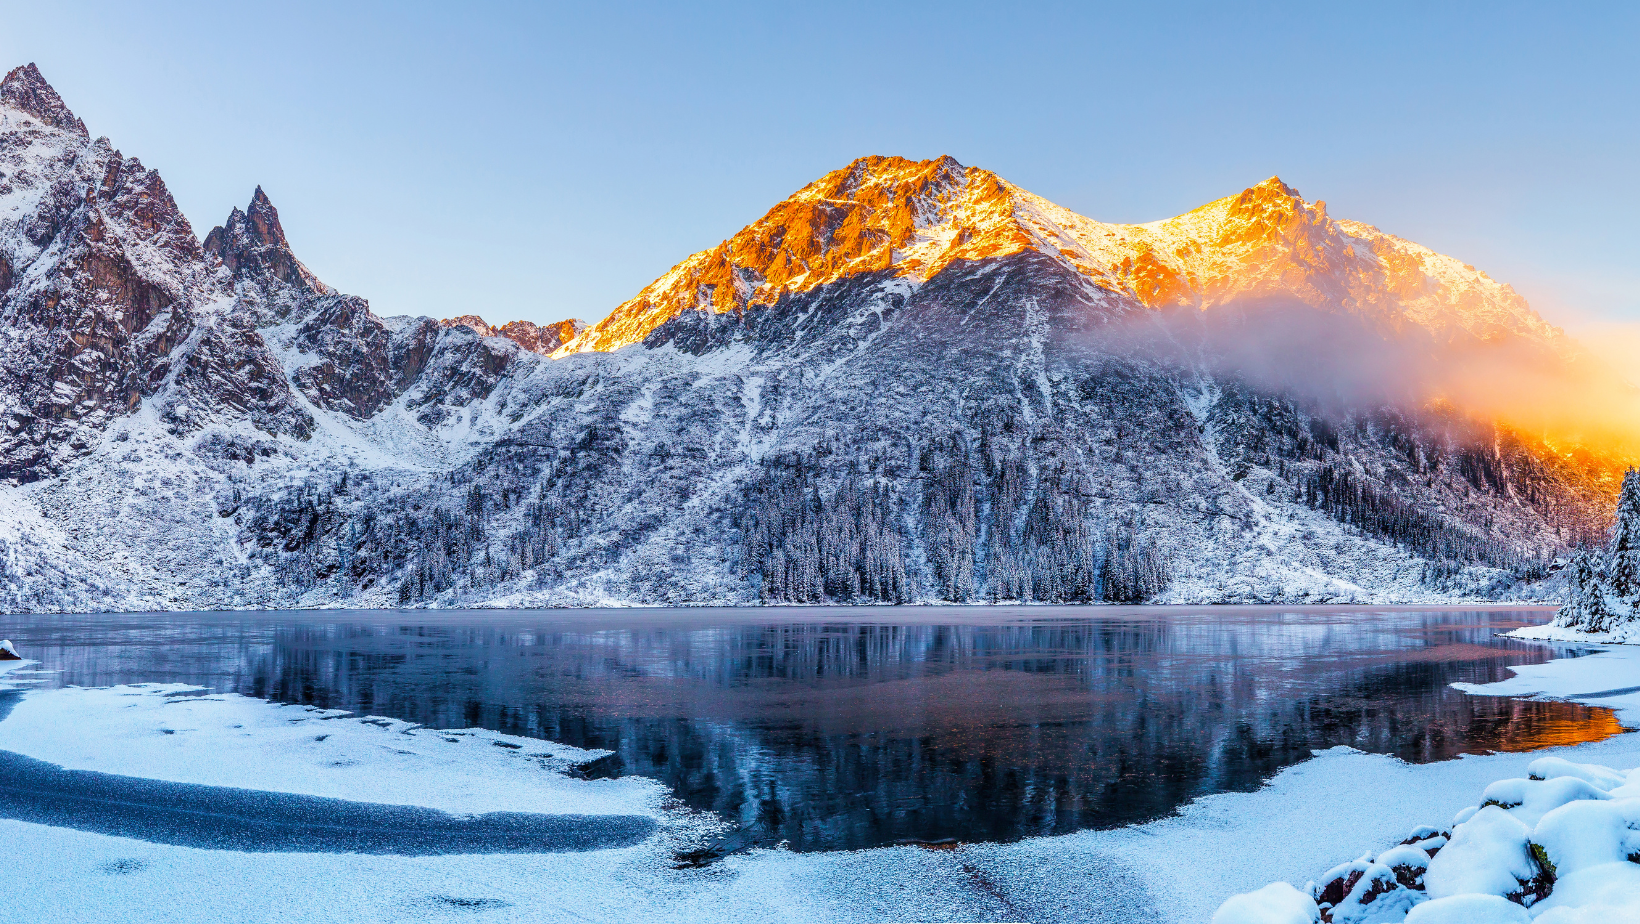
(539, 161)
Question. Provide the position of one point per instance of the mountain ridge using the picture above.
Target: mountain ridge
(914, 218)
(902, 384)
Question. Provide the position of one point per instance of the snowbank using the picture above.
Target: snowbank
(178, 733)
(1560, 843)
(172, 732)
(1563, 842)
(1610, 677)
(1625, 634)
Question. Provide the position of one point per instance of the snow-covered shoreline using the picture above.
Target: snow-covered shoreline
(1525, 833)
(1561, 845)
(1628, 634)
(1178, 869)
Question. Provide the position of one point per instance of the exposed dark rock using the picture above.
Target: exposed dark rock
(353, 373)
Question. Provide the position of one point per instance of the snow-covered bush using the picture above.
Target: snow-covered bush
(1564, 843)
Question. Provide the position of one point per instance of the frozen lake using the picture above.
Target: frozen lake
(840, 728)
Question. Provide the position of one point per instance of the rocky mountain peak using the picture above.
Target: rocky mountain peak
(914, 218)
(898, 217)
(1267, 212)
(472, 322)
(24, 89)
(251, 244)
(264, 221)
(876, 215)
(1274, 186)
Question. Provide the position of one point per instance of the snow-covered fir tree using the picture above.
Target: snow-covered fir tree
(1605, 586)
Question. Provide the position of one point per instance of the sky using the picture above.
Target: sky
(539, 161)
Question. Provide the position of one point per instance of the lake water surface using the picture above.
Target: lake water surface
(840, 728)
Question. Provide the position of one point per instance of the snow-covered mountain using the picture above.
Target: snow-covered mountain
(917, 219)
(908, 381)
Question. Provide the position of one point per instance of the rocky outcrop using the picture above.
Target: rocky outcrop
(228, 373)
(544, 339)
(459, 368)
(351, 369)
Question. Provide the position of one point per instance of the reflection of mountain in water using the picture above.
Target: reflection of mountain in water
(838, 735)
(842, 735)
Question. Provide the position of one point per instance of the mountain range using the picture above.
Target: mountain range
(907, 382)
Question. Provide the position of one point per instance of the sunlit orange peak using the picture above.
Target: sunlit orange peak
(904, 218)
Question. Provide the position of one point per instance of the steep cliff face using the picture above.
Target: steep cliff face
(106, 300)
(908, 381)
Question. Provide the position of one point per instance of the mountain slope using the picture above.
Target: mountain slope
(909, 381)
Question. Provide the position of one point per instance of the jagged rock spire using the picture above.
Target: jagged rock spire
(264, 219)
(26, 90)
(253, 247)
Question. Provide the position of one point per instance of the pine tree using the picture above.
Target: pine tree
(1586, 596)
(1622, 577)
(1605, 589)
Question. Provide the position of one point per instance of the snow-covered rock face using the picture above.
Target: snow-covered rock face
(24, 90)
(903, 383)
(267, 277)
(105, 298)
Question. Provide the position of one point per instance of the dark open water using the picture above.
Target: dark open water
(841, 728)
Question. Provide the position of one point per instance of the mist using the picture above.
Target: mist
(1337, 362)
